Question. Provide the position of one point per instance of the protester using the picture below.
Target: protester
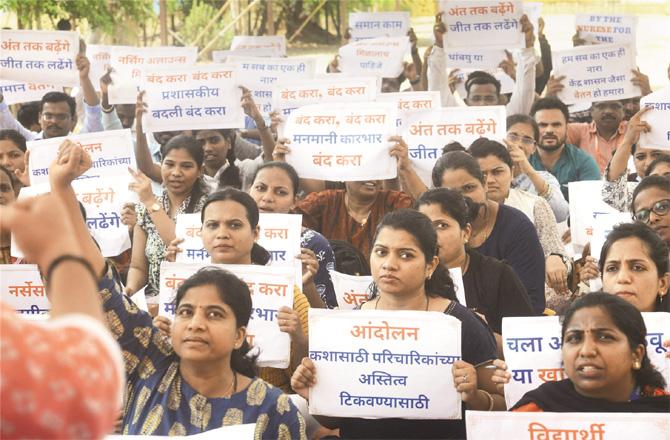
(605, 359)
(521, 140)
(407, 276)
(554, 154)
(8, 194)
(274, 190)
(229, 233)
(12, 151)
(156, 217)
(492, 289)
(498, 231)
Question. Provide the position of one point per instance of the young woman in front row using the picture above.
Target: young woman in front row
(199, 379)
(407, 276)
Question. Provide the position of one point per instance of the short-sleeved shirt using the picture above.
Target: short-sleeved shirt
(585, 136)
(478, 346)
(574, 165)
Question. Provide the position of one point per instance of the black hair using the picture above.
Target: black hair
(484, 147)
(629, 321)
(231, 175)
(456, 160)
(452, 146)
(656, 181)
(348, 259)
(520, 118)
(657, 248)
(14, 137)
(29, 114)
(550, 103)
(450, 201)
(663, 158)
(287, 168)
(54, 97)
(479, 77)
(14, 181)
(194, 149)
(259, 255)
(421, 228)
(235, 294)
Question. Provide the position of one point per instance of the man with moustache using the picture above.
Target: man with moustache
(565, 161)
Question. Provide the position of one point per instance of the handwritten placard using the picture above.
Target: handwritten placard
(533, 11)
(585, 204)
(427, 132)
(535, 358)
(484, 425)
(365, 25)
(606, 29)
(380, 364)
(15, 92)
(351, 291)
(111, 153)
(39, 56)
(271, 288)
(192, 97)
(333, 88)
(409, 102)
(100, 56)
(129, 62)
(264, 45)
(382, 56)
(658, 118)
(261, 74)
(189, 229)
(474, 58)
(595, 73)
(602, 225)
(22, 289)
(342, 142)
(483, 23)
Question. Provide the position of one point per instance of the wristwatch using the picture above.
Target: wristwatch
(155, 207)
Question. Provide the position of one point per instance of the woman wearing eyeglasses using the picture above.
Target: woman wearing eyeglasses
(521, 139)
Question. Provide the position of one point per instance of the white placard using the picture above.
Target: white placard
(606, 29)
(15, 92)
(585, 204)
(365, 25)
(342, 142)
(483, 23)
(427, 132)
(23, 290)
(535, 358)
(261, 74)
(140, 299)
(189, 228)
(457, 277)
(409, 102)
(484, 425)
(351, 291)
(382, 57)
(39, 56)
(595, 73)
(602, 226)
(288, 96)
(475, 58)
(129, 62)
(271, 288)
(658, 118)
(192, 97)
(533, 11)
(381, 364)
(100, 56)
(111, 153)
(259, 46)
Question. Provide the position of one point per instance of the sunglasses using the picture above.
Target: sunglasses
(659, 208)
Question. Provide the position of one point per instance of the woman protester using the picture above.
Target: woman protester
(407, 276)
(605, 358)
(184, 192)
(8, 193)
(498, 231)
(492, 289)
(274, 189)
(229, 233)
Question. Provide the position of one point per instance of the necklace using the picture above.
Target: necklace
(486, 230)
(379, 297)
(233, 386)
(362, 219)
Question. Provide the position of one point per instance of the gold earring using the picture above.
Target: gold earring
(636, 364)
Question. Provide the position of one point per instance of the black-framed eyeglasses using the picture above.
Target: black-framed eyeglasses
(662, 207)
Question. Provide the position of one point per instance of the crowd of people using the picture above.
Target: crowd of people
(495, 211)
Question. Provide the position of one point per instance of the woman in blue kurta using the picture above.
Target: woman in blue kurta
(201, 379)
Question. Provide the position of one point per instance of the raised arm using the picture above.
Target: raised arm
(142, 154)
(524, 87)
(251, 110)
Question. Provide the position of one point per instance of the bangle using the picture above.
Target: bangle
(415, 82)
(69, 257)
(490, 397)
(107, 110)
